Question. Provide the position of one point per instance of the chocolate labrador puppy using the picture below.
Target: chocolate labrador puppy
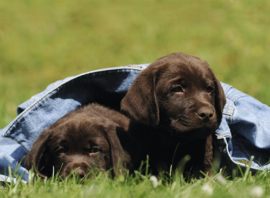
(180, 98)
(92, 136)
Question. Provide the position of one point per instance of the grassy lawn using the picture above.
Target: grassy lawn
(44, 41)
(143, 186)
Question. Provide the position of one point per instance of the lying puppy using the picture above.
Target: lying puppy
(181, 99)
(83, 139)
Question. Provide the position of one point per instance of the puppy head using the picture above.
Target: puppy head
(78, 145)
(179, 91)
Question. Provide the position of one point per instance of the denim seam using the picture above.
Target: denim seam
(227, 89)
(227, 108)
(235, 96)
(240, 96)
(232, 99)
(229, 112)
(109, 70)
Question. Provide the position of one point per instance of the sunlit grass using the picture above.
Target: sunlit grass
(138, 185)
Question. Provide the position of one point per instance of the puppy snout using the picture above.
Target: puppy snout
(77, 169)
(80, 173)
(205, 113)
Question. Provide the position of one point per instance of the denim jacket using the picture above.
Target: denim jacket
(244, 130)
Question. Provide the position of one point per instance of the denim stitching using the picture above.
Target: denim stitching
(227, 89)
(240, 96)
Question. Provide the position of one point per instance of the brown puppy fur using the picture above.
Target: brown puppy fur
(181, 99)
(83, 139)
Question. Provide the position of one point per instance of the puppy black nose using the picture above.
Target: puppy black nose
(81, 174)
(78, 173)
(205, 113)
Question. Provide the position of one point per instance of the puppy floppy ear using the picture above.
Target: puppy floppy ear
(140, 103)
(120, 159)
(38, 156)
(220, 99)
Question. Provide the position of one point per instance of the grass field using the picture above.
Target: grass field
(143, 186)
(44, 41)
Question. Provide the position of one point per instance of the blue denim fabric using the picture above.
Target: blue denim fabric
(244, 130)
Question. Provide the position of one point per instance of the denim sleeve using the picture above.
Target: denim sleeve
(245, 129)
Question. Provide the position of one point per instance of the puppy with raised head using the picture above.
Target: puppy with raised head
(90, 137)
(180, 98)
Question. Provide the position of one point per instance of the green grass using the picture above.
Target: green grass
(44, 41)
(138, 185)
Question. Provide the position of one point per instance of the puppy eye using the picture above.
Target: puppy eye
(92, 150)
(209, 89)
(60, 151)
(177, 89)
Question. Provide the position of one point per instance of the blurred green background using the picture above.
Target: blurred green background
(44, 41)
